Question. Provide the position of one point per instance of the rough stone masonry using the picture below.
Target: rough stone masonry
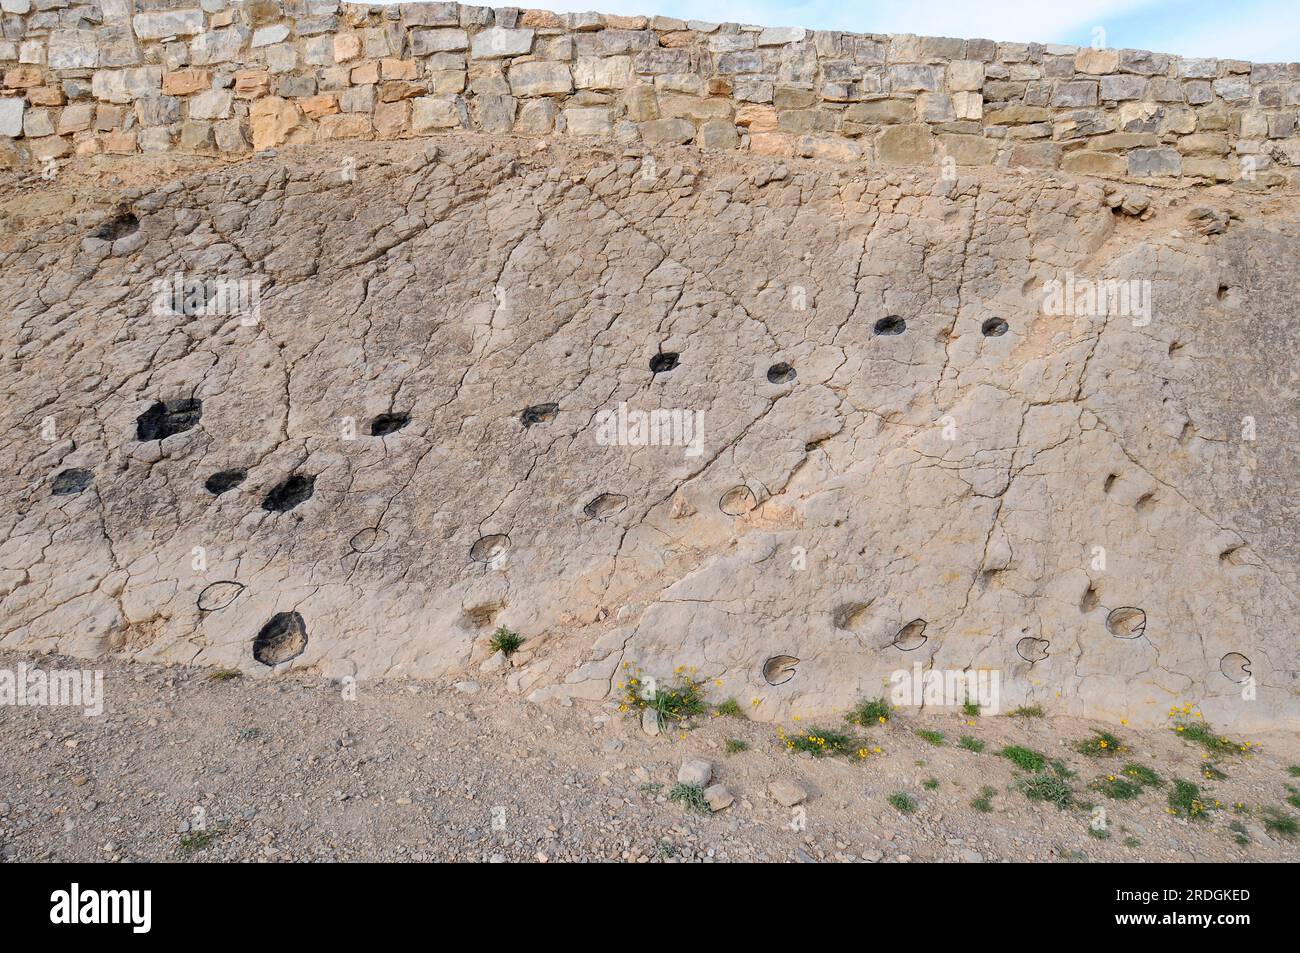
(668, 345)
(126, 76)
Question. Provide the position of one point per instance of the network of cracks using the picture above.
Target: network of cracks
(283, 637)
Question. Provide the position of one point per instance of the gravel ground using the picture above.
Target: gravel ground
(182, 765)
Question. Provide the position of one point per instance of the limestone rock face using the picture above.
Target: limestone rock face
(789, 425)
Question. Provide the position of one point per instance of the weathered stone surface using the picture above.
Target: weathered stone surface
(910, 144)
(11, 116)
(540, 79)
(497, 42)
(432, 112)
(540, 273)
(163, 23)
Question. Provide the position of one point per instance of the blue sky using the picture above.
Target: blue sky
(1260, 30)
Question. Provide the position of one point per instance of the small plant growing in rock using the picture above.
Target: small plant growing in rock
(970, 744)
(1048, 787)
(1128, 783)
(674, 703)
(1185, 801)
(1100, 833)
(902, 802)
(1189, 725)
(690, 797)
(1212, 772)
(818, 742)
(1102, 744)
(194, 842)
(731, 709)
(1239, 834)
(1028, 711)
(1024, 758)
(971, 709)
(869, 712)
(223, 675)
(984, 802)
(930, 783)
(932, 737)
(735, 746)
(1294, 770)
(1279, 823)
(506, 641)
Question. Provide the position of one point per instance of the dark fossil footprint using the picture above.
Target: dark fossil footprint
(284, 637)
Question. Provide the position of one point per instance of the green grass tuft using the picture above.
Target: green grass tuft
(1279, 823)
(1185, 801)
(970, 744)
(971, 709)
(731, 708)
(194, 842)
(819, 741)
(984, 803)
(223, 675)
(869, 712)
(933, 737)
(1102, 744)
(1028, 711)
(1048, 787)
(735, 746)
(930, 783)
(902, 802)
(690, 796)
(1025, 758)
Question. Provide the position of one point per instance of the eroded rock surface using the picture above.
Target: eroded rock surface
(886, 451)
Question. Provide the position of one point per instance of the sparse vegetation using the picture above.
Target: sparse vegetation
(984, 801)
(1190, 726)
(971, 709)
(1294, 770)
(819, 741)
(675, 704)
(930, 783)
(1024, 758)
(1279, 823)
(1212, 772)
(1239, 833)
(731, 708)
(690, 797)
(1185, 801)
(735, 746)
(1028, 711)
(1100, 833)
(1132, 842)
(506, 641)
(902, 802)
(1129, 782)
(869, 713)
(970, 744)
(932, 737)
(249, 734)
(223, 675)
(194, 842)
(1048, 787)
(1102, 744)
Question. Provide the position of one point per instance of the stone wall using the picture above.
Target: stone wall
(207, 76)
